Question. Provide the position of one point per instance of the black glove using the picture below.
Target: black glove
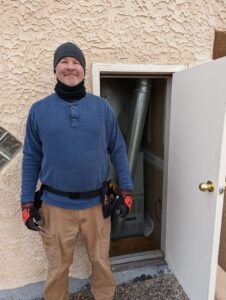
(31, 216)
(124, 203)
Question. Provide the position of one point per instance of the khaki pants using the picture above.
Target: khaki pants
(59, 232)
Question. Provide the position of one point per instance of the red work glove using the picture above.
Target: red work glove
(127, 195)
(124, 203)
(31, 216)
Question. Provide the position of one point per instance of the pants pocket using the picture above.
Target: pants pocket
(51, 247)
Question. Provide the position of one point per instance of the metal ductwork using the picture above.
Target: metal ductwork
(140, 105)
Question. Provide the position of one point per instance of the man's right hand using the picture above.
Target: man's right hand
(31, 216)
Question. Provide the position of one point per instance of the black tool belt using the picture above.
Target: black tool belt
(75, 195)
(109, 199)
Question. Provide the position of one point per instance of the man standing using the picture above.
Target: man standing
(69, 135)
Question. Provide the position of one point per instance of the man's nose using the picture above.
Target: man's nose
(70, 66)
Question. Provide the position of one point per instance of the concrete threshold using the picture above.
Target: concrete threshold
(143, 264)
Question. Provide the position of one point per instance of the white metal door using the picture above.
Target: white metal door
(197, 152)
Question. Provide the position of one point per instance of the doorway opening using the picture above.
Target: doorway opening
(145, 226)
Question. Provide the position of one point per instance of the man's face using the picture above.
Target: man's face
(69, 71)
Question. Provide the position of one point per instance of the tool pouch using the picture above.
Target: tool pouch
(108, 199)
(37, 197)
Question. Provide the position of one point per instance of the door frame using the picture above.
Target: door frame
(139, 70)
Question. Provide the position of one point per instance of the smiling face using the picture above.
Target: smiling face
(69, 71)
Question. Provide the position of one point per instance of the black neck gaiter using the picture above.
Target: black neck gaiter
(70, 93)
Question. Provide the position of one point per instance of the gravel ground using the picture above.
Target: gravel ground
(164, 287)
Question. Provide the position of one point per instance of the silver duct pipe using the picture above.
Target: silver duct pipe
(140, 102)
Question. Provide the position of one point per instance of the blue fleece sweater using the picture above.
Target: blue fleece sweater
(67, 147)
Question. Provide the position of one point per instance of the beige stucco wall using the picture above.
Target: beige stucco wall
(113, 31)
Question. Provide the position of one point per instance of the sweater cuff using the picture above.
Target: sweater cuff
(26, 198)
(27, 205)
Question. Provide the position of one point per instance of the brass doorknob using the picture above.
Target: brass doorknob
(207, 187)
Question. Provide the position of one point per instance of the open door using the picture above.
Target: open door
(197, 154)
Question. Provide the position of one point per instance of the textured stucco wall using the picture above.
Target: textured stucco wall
(113, 31)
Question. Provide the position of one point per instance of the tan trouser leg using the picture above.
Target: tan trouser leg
(59, 232)
(96, 232)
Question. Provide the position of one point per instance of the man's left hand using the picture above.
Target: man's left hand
(124, 203)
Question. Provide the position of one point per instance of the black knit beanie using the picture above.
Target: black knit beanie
(71, 50)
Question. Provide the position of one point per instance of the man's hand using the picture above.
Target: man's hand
(31, 216)
(124, 204)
